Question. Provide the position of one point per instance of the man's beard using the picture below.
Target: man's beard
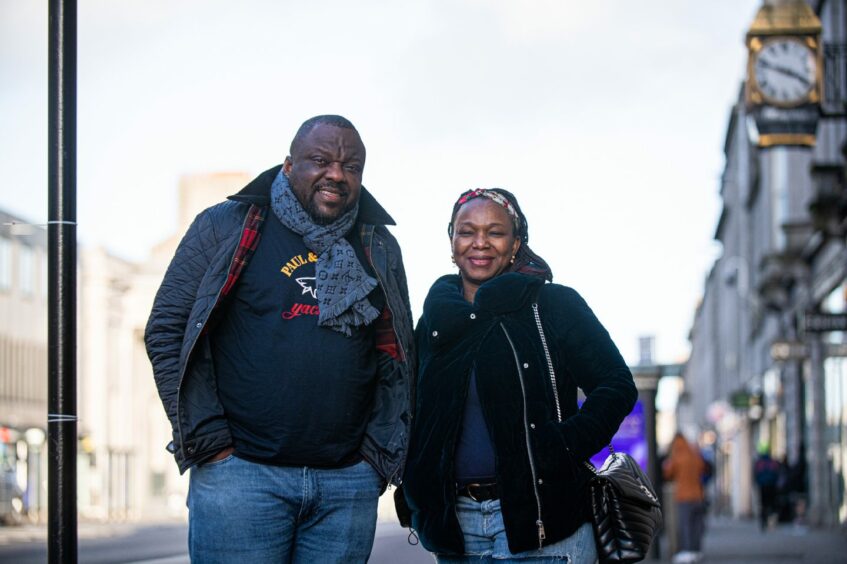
(314, 212)
(317, 217)
(320, 219)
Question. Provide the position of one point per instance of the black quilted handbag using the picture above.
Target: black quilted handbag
(625, 509)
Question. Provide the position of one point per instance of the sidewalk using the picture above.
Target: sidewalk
(85, 530)
(727, 541)
(730, 541)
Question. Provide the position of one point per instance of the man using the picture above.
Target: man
(281, 344)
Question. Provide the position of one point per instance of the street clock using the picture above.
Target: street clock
(784, 73)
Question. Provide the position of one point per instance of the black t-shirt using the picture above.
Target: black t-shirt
(294, 393)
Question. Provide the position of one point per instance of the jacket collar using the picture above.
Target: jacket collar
(502, 294)
(258, 192)
(450, 318)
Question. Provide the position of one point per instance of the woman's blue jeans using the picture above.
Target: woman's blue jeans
(485, 539)
(241, 511)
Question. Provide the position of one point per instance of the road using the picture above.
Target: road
(166, 544)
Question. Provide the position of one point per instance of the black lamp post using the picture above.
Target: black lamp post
(61, 332)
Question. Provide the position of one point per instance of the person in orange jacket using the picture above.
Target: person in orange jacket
(685, 467)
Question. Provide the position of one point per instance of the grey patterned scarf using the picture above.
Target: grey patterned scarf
(341, 281)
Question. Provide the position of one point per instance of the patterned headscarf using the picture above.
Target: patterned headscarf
(526, 261)
(494, 196)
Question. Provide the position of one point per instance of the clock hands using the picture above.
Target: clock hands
(804, 80)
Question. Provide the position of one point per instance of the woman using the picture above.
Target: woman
(686, 468)
(494, 472)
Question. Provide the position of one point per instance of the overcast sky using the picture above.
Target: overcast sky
(605, 118)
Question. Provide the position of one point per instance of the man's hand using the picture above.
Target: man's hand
(222, 454)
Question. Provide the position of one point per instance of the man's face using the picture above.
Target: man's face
(325, 171)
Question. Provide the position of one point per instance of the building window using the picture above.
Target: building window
(26, 270)
(835, 77)
(5, 263)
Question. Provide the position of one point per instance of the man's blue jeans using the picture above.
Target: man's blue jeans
(240, 511)
(485, 539)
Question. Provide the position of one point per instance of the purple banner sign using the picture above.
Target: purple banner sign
(630, 438)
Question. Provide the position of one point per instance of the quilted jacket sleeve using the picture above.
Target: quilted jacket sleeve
(172, 306)
(400, 272)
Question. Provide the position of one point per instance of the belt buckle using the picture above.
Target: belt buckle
(470, 492)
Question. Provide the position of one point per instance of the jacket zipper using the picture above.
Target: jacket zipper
(200, 332)
(539, 523)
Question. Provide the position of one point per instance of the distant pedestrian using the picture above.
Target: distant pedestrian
(281, 343)
(708, 456)
(766, 473)
(686, 468)
(784, 502)
(797, 487)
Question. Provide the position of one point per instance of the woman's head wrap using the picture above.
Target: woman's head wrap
(526, 261)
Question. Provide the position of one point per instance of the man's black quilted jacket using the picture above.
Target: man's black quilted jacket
(178, 346)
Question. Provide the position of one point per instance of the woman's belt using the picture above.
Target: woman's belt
(478, 492)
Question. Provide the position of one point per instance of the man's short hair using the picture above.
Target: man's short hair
(311, 123)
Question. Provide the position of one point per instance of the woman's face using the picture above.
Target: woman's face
(484, 241)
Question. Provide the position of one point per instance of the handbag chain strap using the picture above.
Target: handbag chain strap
(549, 361)
(553, 381)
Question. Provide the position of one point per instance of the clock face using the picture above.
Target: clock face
(785, 71)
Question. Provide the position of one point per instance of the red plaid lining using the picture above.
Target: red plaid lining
(246, 246)
(386, 339)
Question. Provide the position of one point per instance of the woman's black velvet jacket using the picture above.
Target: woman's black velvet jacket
(542, 481)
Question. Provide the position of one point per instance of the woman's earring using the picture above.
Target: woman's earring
(513, 259)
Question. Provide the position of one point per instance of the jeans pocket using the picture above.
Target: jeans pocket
(381, 483)
(220, 462)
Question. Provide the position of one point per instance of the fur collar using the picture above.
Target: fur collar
(447, 312)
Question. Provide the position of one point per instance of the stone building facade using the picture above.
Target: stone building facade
(763, 372)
